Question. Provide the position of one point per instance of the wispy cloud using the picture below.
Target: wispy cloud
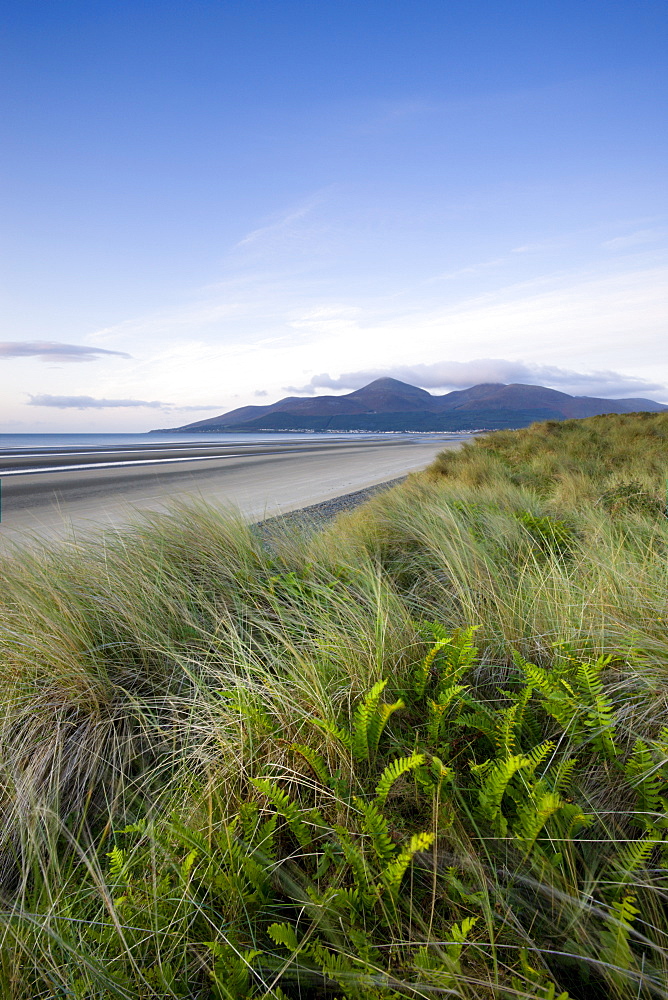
(387, 116)
(47, 350)
(90, 403)
(463, 272)
(462, 374)
(287, 226)
(640, 238)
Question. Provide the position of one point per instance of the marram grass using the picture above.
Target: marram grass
(423, 752)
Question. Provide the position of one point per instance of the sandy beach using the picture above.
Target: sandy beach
(257, 482)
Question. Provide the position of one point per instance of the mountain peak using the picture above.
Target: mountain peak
(387, 384)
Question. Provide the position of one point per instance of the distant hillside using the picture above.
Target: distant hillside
(390, 405)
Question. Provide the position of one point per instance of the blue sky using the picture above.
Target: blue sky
(208, 204)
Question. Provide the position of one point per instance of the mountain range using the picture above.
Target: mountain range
(387, 404)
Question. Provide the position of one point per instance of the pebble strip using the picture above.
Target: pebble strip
(319, 514)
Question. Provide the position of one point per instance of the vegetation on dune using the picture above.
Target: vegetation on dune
(421, 752)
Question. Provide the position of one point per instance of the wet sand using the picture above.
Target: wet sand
(258, 482)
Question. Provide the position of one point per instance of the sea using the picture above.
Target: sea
(47, 442)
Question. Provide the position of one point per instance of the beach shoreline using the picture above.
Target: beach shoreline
(258, 483)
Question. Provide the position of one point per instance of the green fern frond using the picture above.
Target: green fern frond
(561, 775)
(187, 864)
(117, 862)
(495, 777)
(506, 736)
(647, 779)
(354, 856)
(616, 950)
(376, 726)
(365, 711)
(459, 654)
(481, 717)
(369, 721)
(633, 857)
(433, 777)
(395, 870)
(392, 773)
(188, 837)
(232, 968)
(341, 734)
(315, 761)
(538, 754)
(138, 827)
(459, 934)
(422, 671)
(334, 965)
(532, 816)
(572, 819)
(284, 934)
(600, 716)
(438, 709)
(558, 698)
(377, 827)
(285, 807)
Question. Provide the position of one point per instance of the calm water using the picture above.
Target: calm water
(56, 441)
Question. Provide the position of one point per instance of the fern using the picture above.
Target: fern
(600, 712)
(432, 970)
(335, 966)
(394, 872)
(558, 698)
(632, 857)
(506, 735)
(458, 655)
(561, 775)
(437, 710)
(495, 777)
(315, 761)
(459, 934)
(534, 814)
(232, 970)
(573, 695)
(616, 950)
(284, 934)
(341, 734)
(537, 755)
(392, 773)
(187, 865)
(422, 671)
(433, 777)
(440, 971)
(286, 808)
(369, 720)
(648, 780)
(354, 856)
(117, 862)
(368, 723)
(377, 827)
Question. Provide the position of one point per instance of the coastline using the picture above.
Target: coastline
(43, 506)
(317, 515)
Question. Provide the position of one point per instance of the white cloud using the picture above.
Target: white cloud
(288, 231)
(47, 350)
(90, 403)
(462, 374)
(640, 238)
